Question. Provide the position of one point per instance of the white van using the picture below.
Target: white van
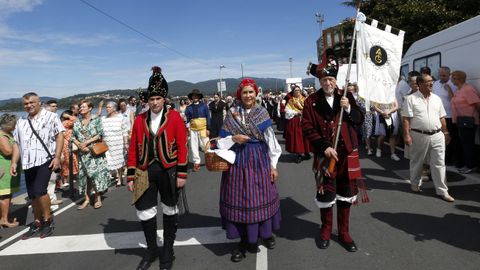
(290, 81)
(457, 47)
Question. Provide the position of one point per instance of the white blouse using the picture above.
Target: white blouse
(274, 148)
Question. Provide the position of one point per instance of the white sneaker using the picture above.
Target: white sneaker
(395, 157)
(379, 153)
(370, 152)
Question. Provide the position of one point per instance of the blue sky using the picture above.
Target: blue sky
(63, 47)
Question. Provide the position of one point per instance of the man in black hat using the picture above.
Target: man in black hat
(157, 162)
(321, 113)
(198, 122)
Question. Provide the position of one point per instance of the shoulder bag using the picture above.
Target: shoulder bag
(99, 148)
(43, 144)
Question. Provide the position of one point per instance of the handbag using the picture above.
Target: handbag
(465, 121)
(99, 148)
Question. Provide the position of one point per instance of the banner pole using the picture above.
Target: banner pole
(347, 81)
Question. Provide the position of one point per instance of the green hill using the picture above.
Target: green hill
(176, 88)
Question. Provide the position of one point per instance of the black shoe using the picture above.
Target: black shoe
(323, 244)
(147, 261)
(253, 248)
(269, 242)
(237, 256)
(47, 228)
(166, 260)
(299, 159)
(350, 247)
(307, 157)
(33, 230)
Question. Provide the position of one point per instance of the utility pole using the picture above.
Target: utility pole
(290, 60)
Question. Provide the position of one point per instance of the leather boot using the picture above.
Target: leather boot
(343, 220)
(326, 215)
(169, 230)
(150, 231)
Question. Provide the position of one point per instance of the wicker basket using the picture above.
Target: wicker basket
(213, 162)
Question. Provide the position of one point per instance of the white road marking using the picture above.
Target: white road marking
(110, 241)
(262, 259)
(20, 233)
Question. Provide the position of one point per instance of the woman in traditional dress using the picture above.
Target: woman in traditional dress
(8, 184)
(116, 136)
(249, 200)
(68, 120)
(294, 140)
(93, 171)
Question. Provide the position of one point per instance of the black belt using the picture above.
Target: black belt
(426, 132)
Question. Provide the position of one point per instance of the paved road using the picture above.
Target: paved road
(396, 230)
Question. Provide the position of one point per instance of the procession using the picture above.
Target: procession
(373, 165)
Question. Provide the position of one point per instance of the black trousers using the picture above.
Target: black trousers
(160, 181)
(467, 140)
(453, 153)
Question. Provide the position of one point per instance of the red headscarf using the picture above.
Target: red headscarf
(246, 82)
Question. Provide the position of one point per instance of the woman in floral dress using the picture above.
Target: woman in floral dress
(68, 120)
(93, 171)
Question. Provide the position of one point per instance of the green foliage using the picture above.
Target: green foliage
(418, 18)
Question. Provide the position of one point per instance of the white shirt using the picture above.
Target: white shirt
(47, 125)
(126, 119)
(155, 120)
(425, 114)
(439, 90)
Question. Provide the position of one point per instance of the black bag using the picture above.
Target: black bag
(465, 121)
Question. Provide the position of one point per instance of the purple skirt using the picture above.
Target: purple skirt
(253, 231)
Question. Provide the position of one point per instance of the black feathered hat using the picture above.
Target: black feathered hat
(157, 85)
(328, 67)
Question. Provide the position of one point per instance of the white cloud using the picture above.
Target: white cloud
(20, 57)
(261, 65)
(8, 7)
(56, 38)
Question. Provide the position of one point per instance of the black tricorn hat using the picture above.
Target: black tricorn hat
(195, 92)
(320, 72)
(157, 85)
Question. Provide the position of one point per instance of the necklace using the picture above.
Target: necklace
(244, 118)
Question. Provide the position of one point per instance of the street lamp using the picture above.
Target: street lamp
(221, 88)
(320, 20)
(290, 60)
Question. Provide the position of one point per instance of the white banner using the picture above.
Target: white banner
(379, 54)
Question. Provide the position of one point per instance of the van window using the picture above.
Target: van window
(433, 61)
(404, 71)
